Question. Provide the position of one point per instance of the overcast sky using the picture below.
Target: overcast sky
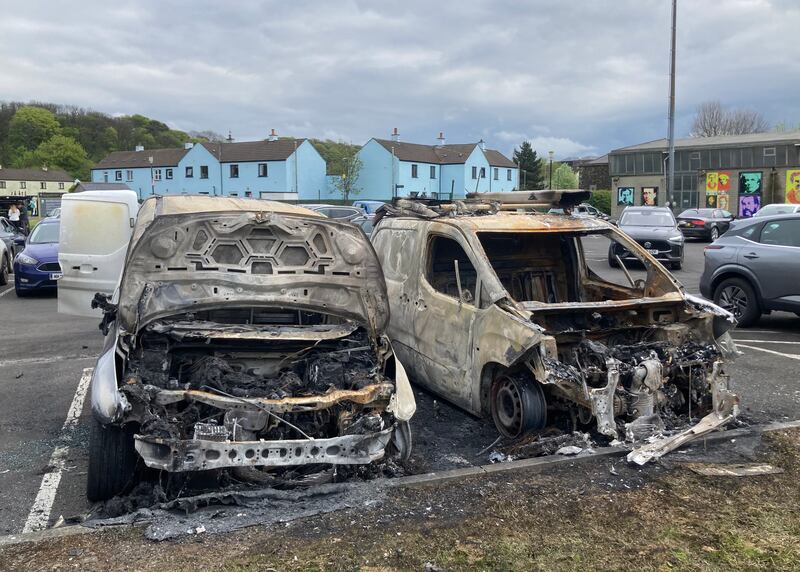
(577, 77)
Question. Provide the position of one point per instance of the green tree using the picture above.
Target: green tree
(601, 200)
(61, 152)
(530, 167)
(564, 177)
(30, 127)
(347, 183)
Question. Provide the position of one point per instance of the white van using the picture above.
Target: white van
(95, 229)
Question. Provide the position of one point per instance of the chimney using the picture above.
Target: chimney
(482, 145)
(440, 138)
(139, 148)
(188, 145)
(273, 136)
(229, 138)
(44, 168)
(395, 135)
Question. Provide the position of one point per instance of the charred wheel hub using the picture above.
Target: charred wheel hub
(518, 406)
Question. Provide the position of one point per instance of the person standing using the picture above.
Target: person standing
(13, 216)
(23, 218)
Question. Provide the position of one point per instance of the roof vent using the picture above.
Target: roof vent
(395, 135)
(273, 136)
(139, 148)
(188, 145)
(440, 138)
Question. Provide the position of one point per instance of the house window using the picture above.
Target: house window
(157, 174)
(189, 172)
(105, 176)
(234, 171)
(43, 185)
(169, 173)
(117, 175)
(483, 172)
(433, 172)
(248, 193)
(129, 175)
(61, 186)
(496, 174)
(474, 172)
(508, 174)
(204, 171)
(262, 170)
(23, 185)
(2, 184)
(413, 171)
(769, 151)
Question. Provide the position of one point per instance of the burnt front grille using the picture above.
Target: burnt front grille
(49, 267)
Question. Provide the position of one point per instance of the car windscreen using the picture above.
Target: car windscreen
(44, 233)
(776, 209)
(697, 212)
(646, 218)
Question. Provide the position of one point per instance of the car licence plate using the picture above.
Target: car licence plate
(56, 275)
(652, 251)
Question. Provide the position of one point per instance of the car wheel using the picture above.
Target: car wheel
(612, 262)
(518, 405)
(738, 297)
(714, 233)
(4, 272)
(677, 265)
(401, 441)
(112, 461)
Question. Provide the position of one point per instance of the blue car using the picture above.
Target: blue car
(36, 268)
(368, 207)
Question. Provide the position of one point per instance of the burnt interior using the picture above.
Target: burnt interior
(209, 359)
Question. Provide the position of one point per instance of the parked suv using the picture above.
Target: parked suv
(755, 268)
(501, 313)
(245, 335)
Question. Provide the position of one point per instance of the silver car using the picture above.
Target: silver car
(754, 268)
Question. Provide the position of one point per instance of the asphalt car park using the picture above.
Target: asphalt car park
(44, 455)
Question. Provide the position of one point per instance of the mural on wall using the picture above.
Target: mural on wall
(749, 205)
(718, 183)
(750, 183)
(650, 196)
(625, 196)
(793, 186)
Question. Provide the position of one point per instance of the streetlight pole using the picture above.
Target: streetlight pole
(550, 177)
(671, 129)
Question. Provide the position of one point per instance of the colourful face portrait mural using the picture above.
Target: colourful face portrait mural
(749, 183)
(712, 182)
(749, 205)
(793, 187)
(650, 196)
(625, 196)
(711, 200)
(723, 182)
(723, 202)
(717, 186)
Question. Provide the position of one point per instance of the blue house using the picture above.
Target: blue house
(279, 169)
(394, 168)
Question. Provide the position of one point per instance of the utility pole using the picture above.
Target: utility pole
(550, 176)
(671, 128)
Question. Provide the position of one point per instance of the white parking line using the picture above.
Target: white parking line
(4, 292)
(48, 359)
(40, 511)
(764, 342)
(790, 356)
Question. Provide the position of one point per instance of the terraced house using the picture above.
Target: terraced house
(278, 169)
(40, 189)
(392, 168)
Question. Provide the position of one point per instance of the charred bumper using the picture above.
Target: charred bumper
(176, 455)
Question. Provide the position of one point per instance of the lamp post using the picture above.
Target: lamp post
(550, 177)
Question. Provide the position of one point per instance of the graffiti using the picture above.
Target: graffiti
(625, 196)
(650, 196)
(749, 205)
(717, 186)
(793, 186)
(750, 183)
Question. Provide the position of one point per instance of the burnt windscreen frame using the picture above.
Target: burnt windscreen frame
(534, 266)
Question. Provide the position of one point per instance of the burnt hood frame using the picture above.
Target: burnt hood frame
(199, 261)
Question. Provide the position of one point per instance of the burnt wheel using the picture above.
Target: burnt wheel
(518, 405)
(739, 298)
(112, 461)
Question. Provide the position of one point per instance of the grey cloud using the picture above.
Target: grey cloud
(580, 76)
